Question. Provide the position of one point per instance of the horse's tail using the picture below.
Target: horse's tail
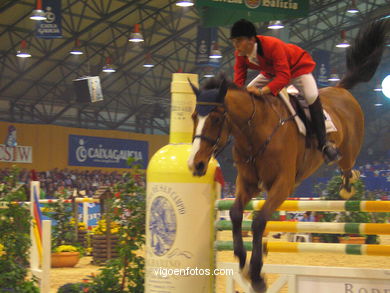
(364, 55)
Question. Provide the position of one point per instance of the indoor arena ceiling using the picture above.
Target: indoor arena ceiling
(40, 90)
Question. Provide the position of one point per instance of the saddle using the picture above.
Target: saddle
(298, 105)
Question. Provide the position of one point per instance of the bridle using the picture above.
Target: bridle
(261, 149)
(214, 141)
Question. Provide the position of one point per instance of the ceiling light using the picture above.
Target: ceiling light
(334, 77)
(275, 25)
(215, 52)
(352, 8)
(38, 13)
(136, 36)
(76, 49)
(108, 67)
(23, 51)
(344, 43)
(148, 61)
(184, 3)
(208, 75)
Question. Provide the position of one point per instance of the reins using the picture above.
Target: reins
(249, 124)
(252, 158)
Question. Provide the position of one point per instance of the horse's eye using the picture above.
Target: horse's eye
(216, 119)
(194, 116)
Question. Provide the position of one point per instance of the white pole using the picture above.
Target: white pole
(46, 259)
(85, 214)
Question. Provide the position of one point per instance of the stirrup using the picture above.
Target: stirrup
(331, 153)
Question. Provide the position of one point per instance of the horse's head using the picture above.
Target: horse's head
(211, 130)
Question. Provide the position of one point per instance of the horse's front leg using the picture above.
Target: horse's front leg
(279, 191)
(244, 192)
(236, 213)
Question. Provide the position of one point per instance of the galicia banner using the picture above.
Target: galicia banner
(322, 70)
(205, 41)
(106, 152)
(51, 27)
(226, 12)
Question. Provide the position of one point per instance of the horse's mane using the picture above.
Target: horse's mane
(215, 83)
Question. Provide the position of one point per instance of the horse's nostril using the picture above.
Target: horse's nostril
(199, 166)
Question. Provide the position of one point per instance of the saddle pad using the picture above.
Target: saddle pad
(329, 125)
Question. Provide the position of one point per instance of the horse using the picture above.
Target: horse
(269, 153)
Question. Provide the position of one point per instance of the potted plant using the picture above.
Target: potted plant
(65, 256)
(64, 237)
(126, 272)
(104, 240)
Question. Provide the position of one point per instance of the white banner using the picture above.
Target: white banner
(15, 154)
(342, 285)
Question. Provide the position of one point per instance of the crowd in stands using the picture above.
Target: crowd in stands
(375, 175)
(56, 180)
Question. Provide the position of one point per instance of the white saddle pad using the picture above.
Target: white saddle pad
(329, 125)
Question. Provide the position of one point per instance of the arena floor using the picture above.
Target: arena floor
(60, 276)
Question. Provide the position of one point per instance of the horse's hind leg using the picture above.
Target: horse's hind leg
(348, 175)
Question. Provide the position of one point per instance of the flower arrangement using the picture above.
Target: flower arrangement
(80, 225)
(101, 227)
(14, 238)
(66, 248)
(2, 251)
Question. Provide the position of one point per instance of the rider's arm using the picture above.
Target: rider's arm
(281, 68)
(240, 70)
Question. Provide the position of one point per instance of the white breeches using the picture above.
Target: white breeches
(305, 84)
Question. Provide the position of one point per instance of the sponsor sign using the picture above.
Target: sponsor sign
(105, 152)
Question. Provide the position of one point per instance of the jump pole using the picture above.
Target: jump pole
(40, 251)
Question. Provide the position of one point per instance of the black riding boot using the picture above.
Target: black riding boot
(330, 153)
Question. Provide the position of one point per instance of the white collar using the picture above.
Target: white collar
(253, 55)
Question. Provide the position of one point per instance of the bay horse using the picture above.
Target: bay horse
(269, 152)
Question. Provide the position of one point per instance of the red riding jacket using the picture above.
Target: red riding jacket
(280, 61)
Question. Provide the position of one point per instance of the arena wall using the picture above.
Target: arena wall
(49, 144)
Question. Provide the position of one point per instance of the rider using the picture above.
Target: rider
(280, 64)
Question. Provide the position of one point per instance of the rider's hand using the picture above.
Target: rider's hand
(254, 90)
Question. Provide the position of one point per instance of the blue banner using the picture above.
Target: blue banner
(93, 213)
(106, 152)
(322, 70)
(51, 27)
(205, 41)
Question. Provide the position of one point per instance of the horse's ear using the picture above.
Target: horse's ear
(194, 89)
(222, 90)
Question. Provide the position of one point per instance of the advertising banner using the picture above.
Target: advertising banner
(106, 152)
(322, 70)
(226, 12)
(51, 27)
(205, 41)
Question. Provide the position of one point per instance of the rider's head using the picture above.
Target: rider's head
(243, 36)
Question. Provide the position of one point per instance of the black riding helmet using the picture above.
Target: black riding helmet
(243, 28)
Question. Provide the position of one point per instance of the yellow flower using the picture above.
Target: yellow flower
(2, 252)
(65, 248)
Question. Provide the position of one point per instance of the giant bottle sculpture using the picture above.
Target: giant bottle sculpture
(179, 207)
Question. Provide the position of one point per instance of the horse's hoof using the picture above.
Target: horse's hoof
(244, 272)
(347, 195)
(259, 286)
